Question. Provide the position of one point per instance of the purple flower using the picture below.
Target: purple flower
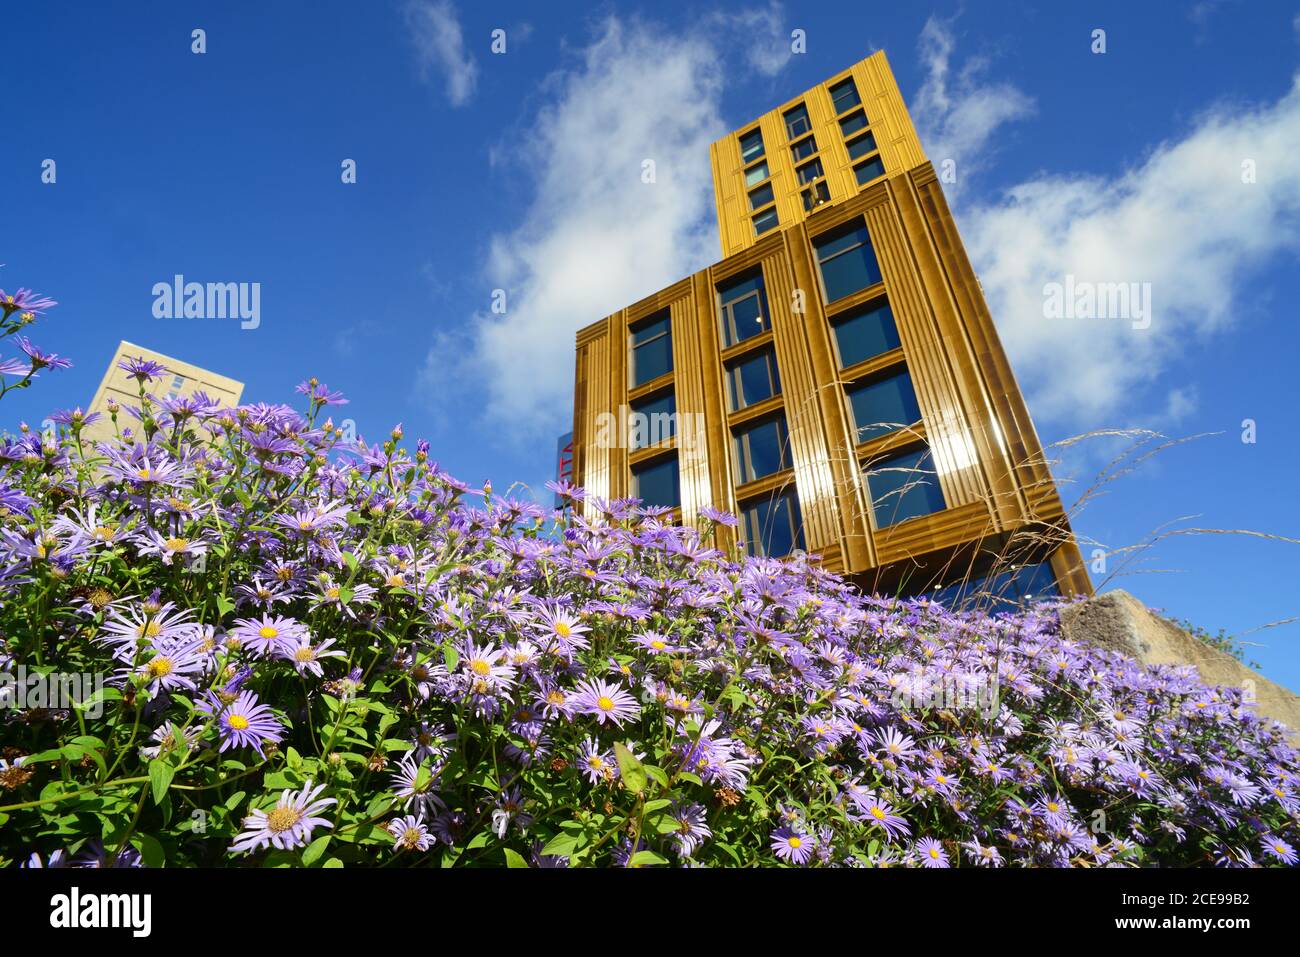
(142, 369)
(606, 700)
(792, 846)
(243, 722)
(41, 359)
(931, 853)
(24, 300)
(288, 825)
(409, 833)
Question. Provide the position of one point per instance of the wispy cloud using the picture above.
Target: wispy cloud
(440, 47)
(761, 32)
(1195, 218)
(639, 103)
(958, 111)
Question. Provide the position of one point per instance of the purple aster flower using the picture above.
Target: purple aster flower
(142, 369)
(791, 845)
(931, 853)
(243, 722)
(24, 300)
(307, 657)
(597, 765)
(409, 833)
(40, 358)
(414, 782)
(606, 700)
(288, 825)
(264, 636)
(319, 393)
(1279, 849)
(510, 810)
(692, 827)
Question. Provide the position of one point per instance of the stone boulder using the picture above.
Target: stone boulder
(1119, 622)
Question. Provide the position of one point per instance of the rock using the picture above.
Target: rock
(1119, 622)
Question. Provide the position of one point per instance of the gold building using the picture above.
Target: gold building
(836, 380)
(182, 378)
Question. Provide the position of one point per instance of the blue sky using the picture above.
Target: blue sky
(521, 171)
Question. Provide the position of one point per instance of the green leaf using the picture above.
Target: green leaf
(160, 778)
(514, 858)
(332, 863)
(562, 845)
(659, 775)
(314, 850)
(150, 850)
(630, 769)
(646, 859)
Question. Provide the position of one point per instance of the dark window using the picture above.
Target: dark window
(804, 148)
(751, 146)
(772, 526)
(865, 333)
(653, 420)
(796, 122)
(764, 221)
(883, 405)
(862, 146)
(871, 169)
(904, 486)
(762, 449)
(815, 195)
(756, 173)
(852, 123)
(752, 380)
(656, 482)
(810, 171)
(844, 95)
(742, 306)
(652, 349)
(847, 262)
(761, 196)
(1006, 590)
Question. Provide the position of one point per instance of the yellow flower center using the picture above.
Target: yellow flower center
(160, 667)
(238, 722)
(177, 544)
(104, 532)
(658, 645)
(304, 655)
(562, 629)
(605, 703)
(795, 842)
(267, 632)
(283, 818)
(480, 667)
(878, 814)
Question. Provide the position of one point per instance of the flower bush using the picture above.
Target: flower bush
(322, 653)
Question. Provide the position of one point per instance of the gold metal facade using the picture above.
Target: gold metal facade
(999, 503)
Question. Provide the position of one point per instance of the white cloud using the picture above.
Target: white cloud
(595, 237)
(440, 47)
(1181, 219)
(760, 32)
(957, 113)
